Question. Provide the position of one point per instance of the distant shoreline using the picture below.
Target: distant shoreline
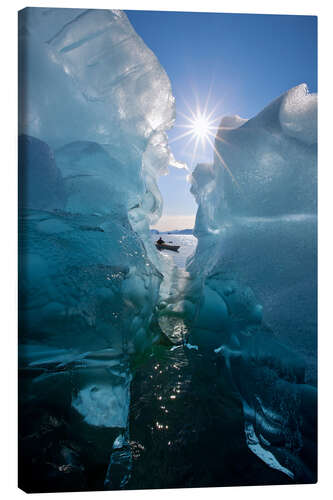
(174, 231)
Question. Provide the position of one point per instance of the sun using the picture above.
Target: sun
(201, 126)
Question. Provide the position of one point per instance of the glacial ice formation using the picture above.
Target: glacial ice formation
(95, 105)
(259, 225)
(256, 227)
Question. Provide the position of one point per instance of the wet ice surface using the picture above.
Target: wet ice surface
(180, 434)
(187, 243)
(183, 435)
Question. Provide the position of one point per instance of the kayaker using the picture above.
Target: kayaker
(160, 241)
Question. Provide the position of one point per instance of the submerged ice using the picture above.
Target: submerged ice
(95, 295)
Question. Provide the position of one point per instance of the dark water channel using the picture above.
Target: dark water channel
(187, 427)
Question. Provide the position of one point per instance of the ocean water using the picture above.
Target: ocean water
(187, 243)
(182, 435)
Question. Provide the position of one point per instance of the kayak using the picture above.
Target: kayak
(165, 246)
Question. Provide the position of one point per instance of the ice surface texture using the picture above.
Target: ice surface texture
(256, 217)
(105, 80)
(85, 75)
(265, 166)
(256, 227)
(95, 105)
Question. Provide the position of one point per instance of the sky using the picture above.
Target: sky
(241, 61)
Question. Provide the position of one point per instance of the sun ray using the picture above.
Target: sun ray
(220, 139)
(188, 118)
(188, 142)
(197, 102)
(189, 132)
(189, 109)
(201, 127)
(207, 100)
(223, 162)
(183, 126)
(195, 149)
(213, 111)
(218, 119)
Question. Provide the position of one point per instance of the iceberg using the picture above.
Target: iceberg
(95, 105)
(256, 226)
(258, 223)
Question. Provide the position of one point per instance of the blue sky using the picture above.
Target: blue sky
(243, 60)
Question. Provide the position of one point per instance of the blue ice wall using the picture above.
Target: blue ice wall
(257, 254)
(94, 106)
